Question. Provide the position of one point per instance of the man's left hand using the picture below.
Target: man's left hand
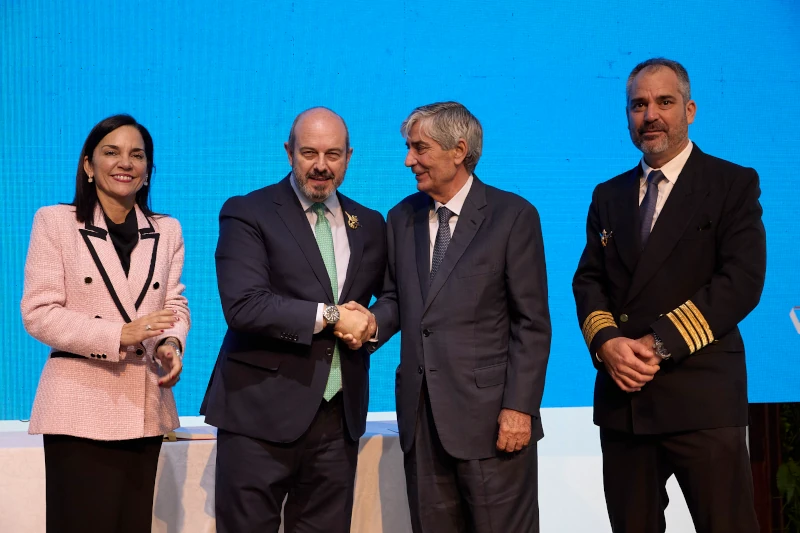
(515, 430)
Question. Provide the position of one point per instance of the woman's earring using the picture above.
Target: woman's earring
(91, 179)
(145, 179)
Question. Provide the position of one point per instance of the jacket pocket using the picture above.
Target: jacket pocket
(489, 376)
(261, 359)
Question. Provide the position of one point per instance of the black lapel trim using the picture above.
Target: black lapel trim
(148, 233)
(94, 231)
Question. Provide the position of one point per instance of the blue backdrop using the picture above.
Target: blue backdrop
(218, 85)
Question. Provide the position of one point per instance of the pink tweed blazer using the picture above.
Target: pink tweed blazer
(76, 299)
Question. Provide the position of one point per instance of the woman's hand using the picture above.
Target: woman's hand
(147, 326)
(170, 362)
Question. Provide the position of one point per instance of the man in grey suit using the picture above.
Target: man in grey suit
(466, 285)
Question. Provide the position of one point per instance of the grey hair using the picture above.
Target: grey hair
(656, 63)
(291, 140)
(446, 123)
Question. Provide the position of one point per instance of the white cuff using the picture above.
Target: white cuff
(319, 325)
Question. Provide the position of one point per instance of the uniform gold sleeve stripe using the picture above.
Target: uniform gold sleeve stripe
(691, 327)
(591, 331)
(590, 336)
(596, 321)
(596, 315)
(701, 318)
(701, 333)
(682, 330)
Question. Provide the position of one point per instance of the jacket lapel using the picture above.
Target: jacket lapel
(469, 222)
(623, 214)
(95, 235)
(355, 237)
(143, 258)
(291, 212)
(422, 243)
(686, 197)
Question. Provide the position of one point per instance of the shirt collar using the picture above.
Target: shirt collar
(332, 202)
(673, 167)
(456, 203)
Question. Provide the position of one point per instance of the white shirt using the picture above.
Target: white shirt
(671, 171)
(456, 204)
(341, 245)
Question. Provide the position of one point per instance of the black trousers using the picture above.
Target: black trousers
(100, 486)
(711, 466)
(316, 475)
(449, 495)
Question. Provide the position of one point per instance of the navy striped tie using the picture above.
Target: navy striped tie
(648, 207)
(442, 239)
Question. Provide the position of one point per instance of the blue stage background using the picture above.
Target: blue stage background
(218, 85)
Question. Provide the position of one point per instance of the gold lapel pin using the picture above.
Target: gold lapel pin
(352, 221)
(605, 236)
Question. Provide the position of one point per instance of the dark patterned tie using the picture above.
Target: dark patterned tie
(442, 239)
(648, 207)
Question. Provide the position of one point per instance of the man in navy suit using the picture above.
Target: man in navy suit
(289, 399)
(466, 284)
(675, 258)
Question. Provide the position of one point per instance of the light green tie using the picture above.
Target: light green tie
(322, 232)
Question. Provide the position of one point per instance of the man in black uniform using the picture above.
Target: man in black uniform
(675, 258)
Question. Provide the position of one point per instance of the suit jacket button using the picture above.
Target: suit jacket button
(105, 356)
(419, 369)
(623, 317)
(426, 333)
(329, 351)
(87, 280)
(93, 355)
(156, 285)
(139, 351)
(715, 341)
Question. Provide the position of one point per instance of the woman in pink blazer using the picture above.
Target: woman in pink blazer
(103, 290)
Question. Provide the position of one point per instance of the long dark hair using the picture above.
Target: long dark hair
(85, 192)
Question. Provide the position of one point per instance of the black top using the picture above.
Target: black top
(124, 236)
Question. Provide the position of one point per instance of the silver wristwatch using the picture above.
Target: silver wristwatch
(658, 347)
(331, 314)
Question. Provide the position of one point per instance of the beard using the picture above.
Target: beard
(318, 191)
(663, 142)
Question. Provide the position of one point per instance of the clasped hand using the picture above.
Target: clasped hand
(630, 363)
(170, 363)
(356, 325)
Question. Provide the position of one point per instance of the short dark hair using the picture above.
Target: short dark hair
(291, 140)
(86, 193)
(684, 86)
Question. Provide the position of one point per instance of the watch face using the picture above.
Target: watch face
(331, 314)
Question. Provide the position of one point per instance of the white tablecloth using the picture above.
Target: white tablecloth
(570, 482)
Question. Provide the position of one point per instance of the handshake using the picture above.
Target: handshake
(356, 325)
